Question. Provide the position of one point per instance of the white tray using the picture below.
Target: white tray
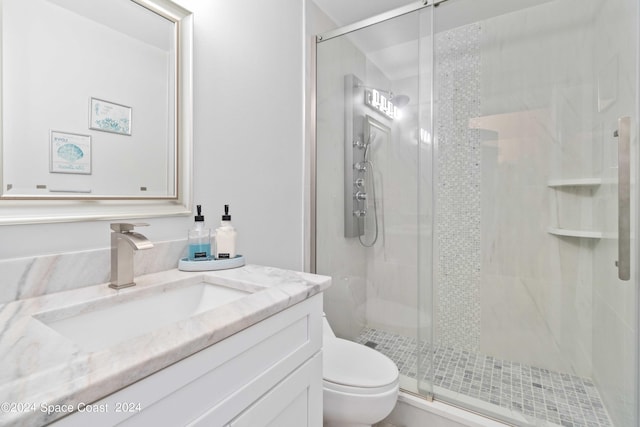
(211, 264)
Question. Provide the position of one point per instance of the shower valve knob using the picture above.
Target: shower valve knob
(360, 166)
(360, 196)
(360, 214)
(359, 182)
(359, 144)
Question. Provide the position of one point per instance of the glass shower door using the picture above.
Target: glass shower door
(471, 186)
(372, 123)
(534, 263)
(426, 209)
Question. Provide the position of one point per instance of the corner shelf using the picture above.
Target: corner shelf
(575, 182)
(575, 233)
(585, 183)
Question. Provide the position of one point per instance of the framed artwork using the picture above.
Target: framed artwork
(109, 117)
(69, 153)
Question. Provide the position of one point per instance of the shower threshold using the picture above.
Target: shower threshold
(538, 394)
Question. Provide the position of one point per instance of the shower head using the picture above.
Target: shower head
(399, 100)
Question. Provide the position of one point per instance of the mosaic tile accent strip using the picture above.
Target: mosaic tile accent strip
(457, 81)
(558, 398)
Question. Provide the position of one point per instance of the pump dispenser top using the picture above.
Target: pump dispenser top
(226, 216)
(199, 217)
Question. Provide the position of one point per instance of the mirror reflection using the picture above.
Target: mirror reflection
(89, 100)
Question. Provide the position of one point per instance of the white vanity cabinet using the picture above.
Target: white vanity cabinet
(269, 374)
(287, 404)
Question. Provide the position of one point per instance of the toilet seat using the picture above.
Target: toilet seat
(349, 367)
(360, 391)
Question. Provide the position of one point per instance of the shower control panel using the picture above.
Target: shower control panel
(355, 166)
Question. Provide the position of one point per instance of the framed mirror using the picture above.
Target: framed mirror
(96, 109)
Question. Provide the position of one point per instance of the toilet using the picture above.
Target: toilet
(360, 385)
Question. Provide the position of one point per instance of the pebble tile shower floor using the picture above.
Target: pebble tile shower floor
(558, 398)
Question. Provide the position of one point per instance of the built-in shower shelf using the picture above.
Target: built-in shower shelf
(575, 233)
(575, 182)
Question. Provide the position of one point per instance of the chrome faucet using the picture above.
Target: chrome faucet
(123, 242)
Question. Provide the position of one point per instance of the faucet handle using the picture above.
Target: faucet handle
(124, 227)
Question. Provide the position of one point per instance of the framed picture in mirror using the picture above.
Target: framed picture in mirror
(69, 153)
(109, 117)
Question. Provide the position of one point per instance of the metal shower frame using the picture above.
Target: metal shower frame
(328, 35)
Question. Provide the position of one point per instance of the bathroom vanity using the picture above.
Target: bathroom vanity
(239, 347)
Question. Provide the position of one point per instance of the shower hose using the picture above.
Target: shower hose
(373, 194)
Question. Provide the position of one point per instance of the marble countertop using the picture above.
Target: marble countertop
(41, 368)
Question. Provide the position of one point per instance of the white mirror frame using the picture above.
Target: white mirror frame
(52, 210)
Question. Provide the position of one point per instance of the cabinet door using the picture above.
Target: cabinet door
(296, 401)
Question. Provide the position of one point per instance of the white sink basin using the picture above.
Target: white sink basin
(105, 326)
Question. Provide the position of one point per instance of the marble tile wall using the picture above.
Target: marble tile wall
(30, 277)
(615, 368)
(392, 274)
(342, 258)
(568, 73)
(376, 285)
(538, 97)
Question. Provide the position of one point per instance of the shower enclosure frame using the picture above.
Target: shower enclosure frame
(635, 237)
(394, 13)
(425, 393)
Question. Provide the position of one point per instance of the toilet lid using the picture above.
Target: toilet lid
(350, 364)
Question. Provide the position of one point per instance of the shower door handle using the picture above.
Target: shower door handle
(624, 198)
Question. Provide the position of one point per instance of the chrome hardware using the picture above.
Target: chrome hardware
(402, 10)
(124, 241)
(360, 196)
(355, 160)
(359, 144)
(124, 227)
(624, 198)
(353, 155)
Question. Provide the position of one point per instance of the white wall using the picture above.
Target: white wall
(248, 138)
(249, 116)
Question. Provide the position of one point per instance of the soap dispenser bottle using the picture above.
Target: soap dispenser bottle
(199, 239)
(225, 237)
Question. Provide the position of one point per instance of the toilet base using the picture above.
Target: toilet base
(341, 409)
